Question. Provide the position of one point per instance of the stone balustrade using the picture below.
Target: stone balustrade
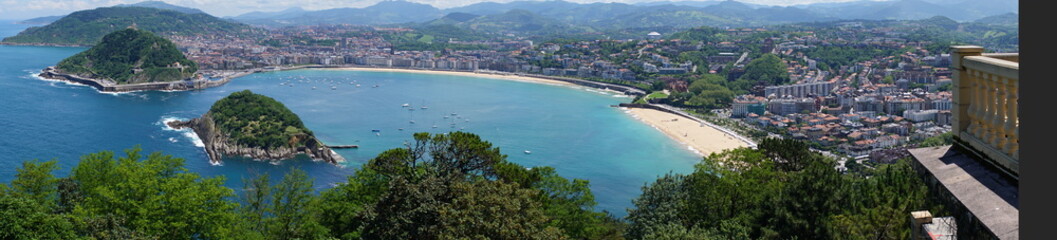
(986, 93)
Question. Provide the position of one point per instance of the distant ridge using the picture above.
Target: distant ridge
(611, 15)
(384, 12)
(87, 27)
(40, 20)
(163, 5)
(149, 4)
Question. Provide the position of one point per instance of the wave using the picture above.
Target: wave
(186, 132)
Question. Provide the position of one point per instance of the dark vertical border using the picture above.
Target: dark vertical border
(1038, 181)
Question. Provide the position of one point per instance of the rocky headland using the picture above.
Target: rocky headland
(258, 144)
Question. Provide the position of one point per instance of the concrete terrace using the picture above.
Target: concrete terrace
(988, 198)
(977, 178)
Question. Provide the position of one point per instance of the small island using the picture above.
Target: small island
(255, 126)
(131, 60)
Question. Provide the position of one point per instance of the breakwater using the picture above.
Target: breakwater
(104, 85)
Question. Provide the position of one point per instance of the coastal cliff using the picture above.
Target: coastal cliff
(226, 135)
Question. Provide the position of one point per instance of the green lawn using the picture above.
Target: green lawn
(656, 94)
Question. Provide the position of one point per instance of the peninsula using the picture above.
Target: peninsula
(131, 60)
(258, 127)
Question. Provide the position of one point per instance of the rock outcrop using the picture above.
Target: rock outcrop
(218, 144)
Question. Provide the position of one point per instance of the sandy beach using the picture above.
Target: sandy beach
(701, 138)
(465, 74)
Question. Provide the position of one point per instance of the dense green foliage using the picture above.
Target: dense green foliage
(769, 69)
(709, 91)
(457, 186)
(122, 53)
(946, 138)
(89, 26)
(434, 38)
(834, 56)
(779, 191)
(443, 186)
(258, 121)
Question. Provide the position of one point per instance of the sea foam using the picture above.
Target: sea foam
(186, 132)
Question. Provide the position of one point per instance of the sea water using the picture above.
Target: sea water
(573, 129)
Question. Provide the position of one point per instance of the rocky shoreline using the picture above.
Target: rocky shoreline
(108, 86)
(218, 145)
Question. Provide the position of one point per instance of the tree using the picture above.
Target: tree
(808, 200)
(341, 208)
(781, 190)
(661, 204)
(769, 69)
(292, 203)
(256, 194)
(155, 196)
(28, 218)
(677, 232)
(35, 181)
(421, 188)
(788, 154)
(493, 210)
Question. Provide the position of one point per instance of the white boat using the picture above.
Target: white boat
(528, 152)
(406, 105)
(412, 121)
(333, 88)
(313, 88)
(434, 125)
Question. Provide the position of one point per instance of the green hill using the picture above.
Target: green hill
(131, 56)
(88, 27)
(257, 121)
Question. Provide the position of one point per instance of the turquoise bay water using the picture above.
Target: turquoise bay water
(570, 128)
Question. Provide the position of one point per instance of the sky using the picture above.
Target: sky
(24, 9)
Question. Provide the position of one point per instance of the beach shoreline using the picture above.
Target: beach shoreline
(459, 73)
(699, 138)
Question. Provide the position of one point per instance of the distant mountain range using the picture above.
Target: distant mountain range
(148, 4)
(663, 13)
(163, 5)
(88, 27)
(525, 18)
(384, 12)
